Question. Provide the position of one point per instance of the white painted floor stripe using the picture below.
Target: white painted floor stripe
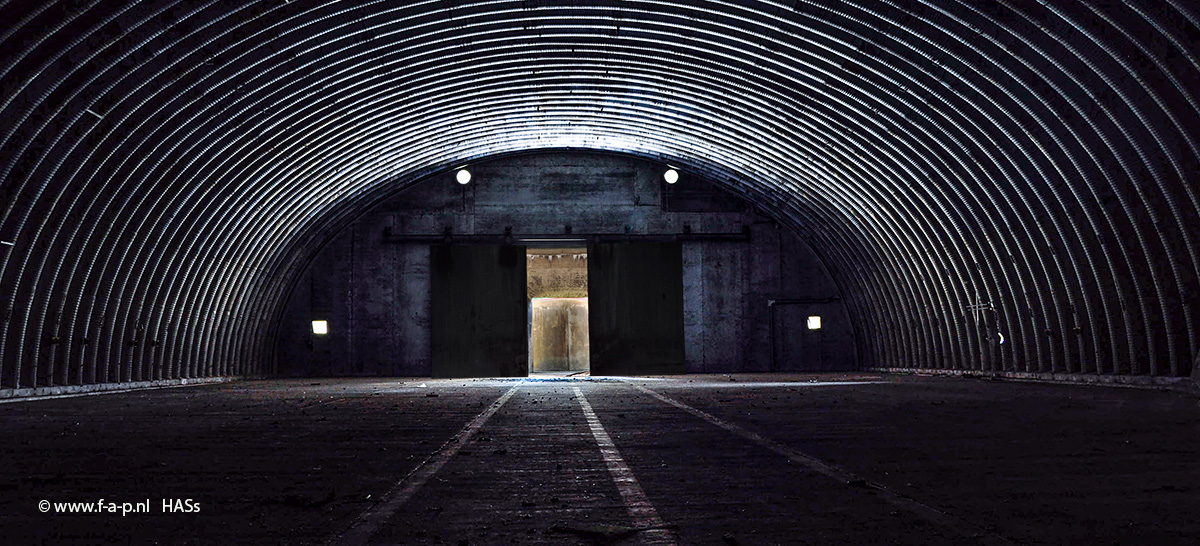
(925, 512)
(643, 513)
(369, 521)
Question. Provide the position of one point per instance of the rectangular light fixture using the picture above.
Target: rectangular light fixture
(814, 323)
(320, 327)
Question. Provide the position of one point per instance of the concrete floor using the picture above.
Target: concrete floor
(753, 460)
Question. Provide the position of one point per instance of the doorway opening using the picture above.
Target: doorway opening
(558, 311)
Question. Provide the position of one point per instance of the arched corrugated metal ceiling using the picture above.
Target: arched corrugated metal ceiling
(167, 166)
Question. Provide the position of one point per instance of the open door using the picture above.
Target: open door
(635, 308)
(479, 311)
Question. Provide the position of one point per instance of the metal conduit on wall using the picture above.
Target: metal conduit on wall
(967, 170)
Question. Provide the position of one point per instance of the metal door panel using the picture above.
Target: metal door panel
(635, 308)
(478, 294)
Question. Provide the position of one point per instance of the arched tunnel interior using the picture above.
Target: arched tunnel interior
(874, 271)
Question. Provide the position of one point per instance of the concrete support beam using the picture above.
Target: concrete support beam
(1176, 383)
(106, 388)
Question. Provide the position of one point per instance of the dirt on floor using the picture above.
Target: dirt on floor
(706, 459)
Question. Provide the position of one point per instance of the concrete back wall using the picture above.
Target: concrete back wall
(372, 281)
(558, 340)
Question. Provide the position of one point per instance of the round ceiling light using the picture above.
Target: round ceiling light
(671, 176)
(463, 176)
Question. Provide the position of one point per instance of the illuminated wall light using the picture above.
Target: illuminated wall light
(671, 176)
(814, 323)
(320, 327)
(463, 176)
